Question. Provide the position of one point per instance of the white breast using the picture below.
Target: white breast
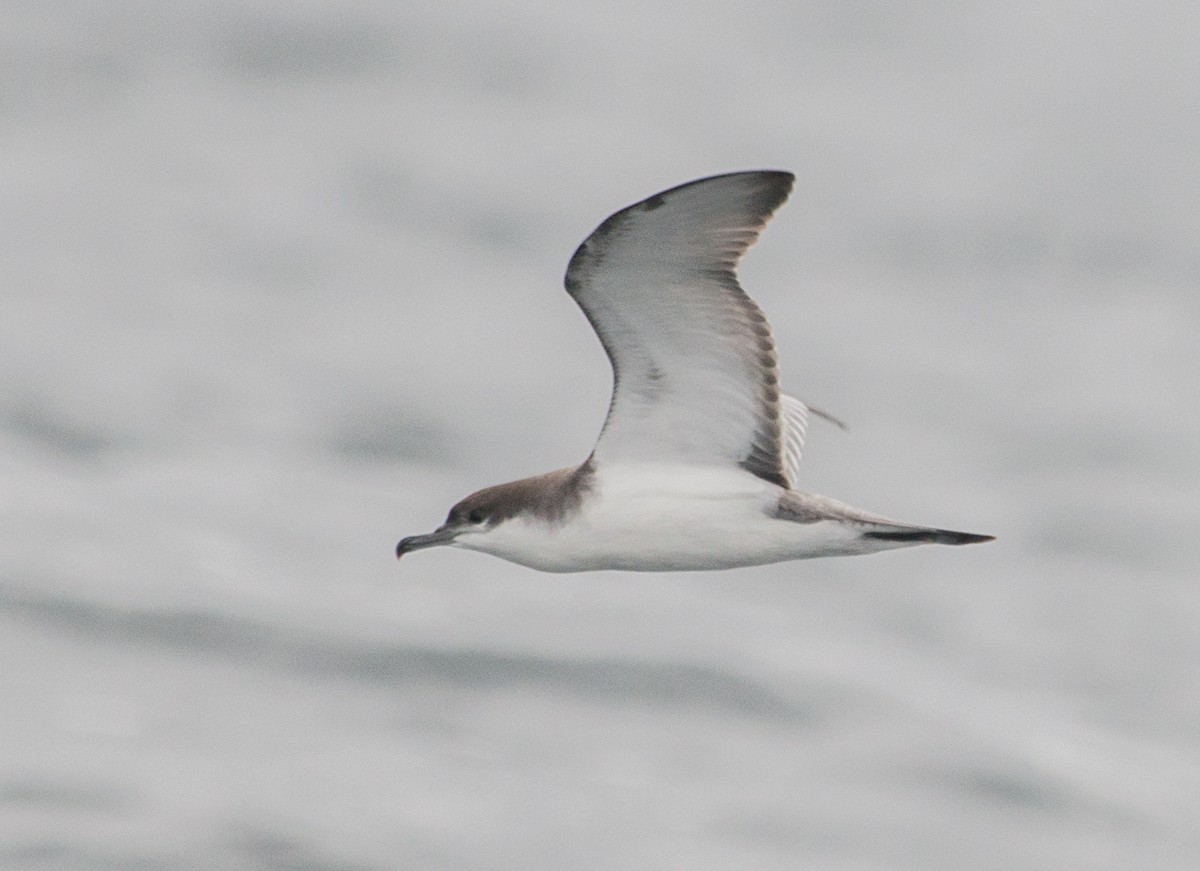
(664, 518)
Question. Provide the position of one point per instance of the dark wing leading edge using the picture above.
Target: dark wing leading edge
(695, 375)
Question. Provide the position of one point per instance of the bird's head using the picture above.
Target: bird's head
(548, 500)
(474, 516)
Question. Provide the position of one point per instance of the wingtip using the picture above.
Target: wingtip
(756, 192)
(828, 418)
(775, 184)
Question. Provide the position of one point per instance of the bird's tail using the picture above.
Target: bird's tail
(923, 535)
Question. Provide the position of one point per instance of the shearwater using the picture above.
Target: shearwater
(696, 465)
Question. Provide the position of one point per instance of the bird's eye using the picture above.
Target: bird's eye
(475, 516)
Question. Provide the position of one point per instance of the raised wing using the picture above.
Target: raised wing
(695, 375)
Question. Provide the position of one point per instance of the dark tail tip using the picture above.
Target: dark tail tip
(930, 536)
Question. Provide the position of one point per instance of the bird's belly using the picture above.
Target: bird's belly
(650, 529)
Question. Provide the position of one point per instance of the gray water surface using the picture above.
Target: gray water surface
(281, 282)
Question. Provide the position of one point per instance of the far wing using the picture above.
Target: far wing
(795, 428)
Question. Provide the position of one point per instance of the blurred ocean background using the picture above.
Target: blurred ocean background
(281, 281)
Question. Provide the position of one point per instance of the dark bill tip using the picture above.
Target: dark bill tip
(417, 542)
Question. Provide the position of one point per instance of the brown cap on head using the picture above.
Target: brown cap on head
(551, 498)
